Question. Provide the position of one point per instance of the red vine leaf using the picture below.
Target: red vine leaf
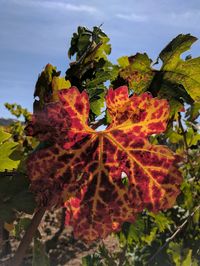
(89, 166)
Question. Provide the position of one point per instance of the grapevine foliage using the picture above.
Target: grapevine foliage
(117, 179)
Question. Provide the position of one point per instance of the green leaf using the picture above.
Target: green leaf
(188, 259)
(99, 52)
(186, 188)
(89, 45)
(177, 71)
(149, 238)
(10, 155)
(192, 137)
(4, 136)
(161, 220)
(123, 61)
(40, 257)
(138, 73)
(175, 48)
(83, 42)
(59, 83)
(175, 250)
(174, 137)
(135, 231)
(97, 105)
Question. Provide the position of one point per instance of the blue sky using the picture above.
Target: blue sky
(36, 32)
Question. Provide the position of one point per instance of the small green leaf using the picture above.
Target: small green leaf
(83, 42)
(192, 137)
(186, 188)
(123, 61)
(161, 220)
(149, 238)
(188, 259)
(10, 155)
(97, 105)
(136, 231)
(174, 250)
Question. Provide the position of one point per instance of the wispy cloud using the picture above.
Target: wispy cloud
(175, 19)
(58, 5)
(133, 17)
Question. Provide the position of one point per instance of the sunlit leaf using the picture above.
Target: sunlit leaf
(123, 61)
(178, 71)
(10, 155)
(88, 165)
(59, 83)
(4, 136)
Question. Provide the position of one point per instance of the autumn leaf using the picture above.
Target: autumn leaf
(86, 168)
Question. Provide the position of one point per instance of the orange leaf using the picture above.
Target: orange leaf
(88, 166)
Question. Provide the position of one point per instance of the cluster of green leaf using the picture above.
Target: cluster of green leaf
(16, 129)
(92, 69)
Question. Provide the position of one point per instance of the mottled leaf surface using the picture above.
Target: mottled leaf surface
(178, 71)
(137, 71)
(89, 166)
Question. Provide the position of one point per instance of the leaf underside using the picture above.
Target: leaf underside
(87, 167)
